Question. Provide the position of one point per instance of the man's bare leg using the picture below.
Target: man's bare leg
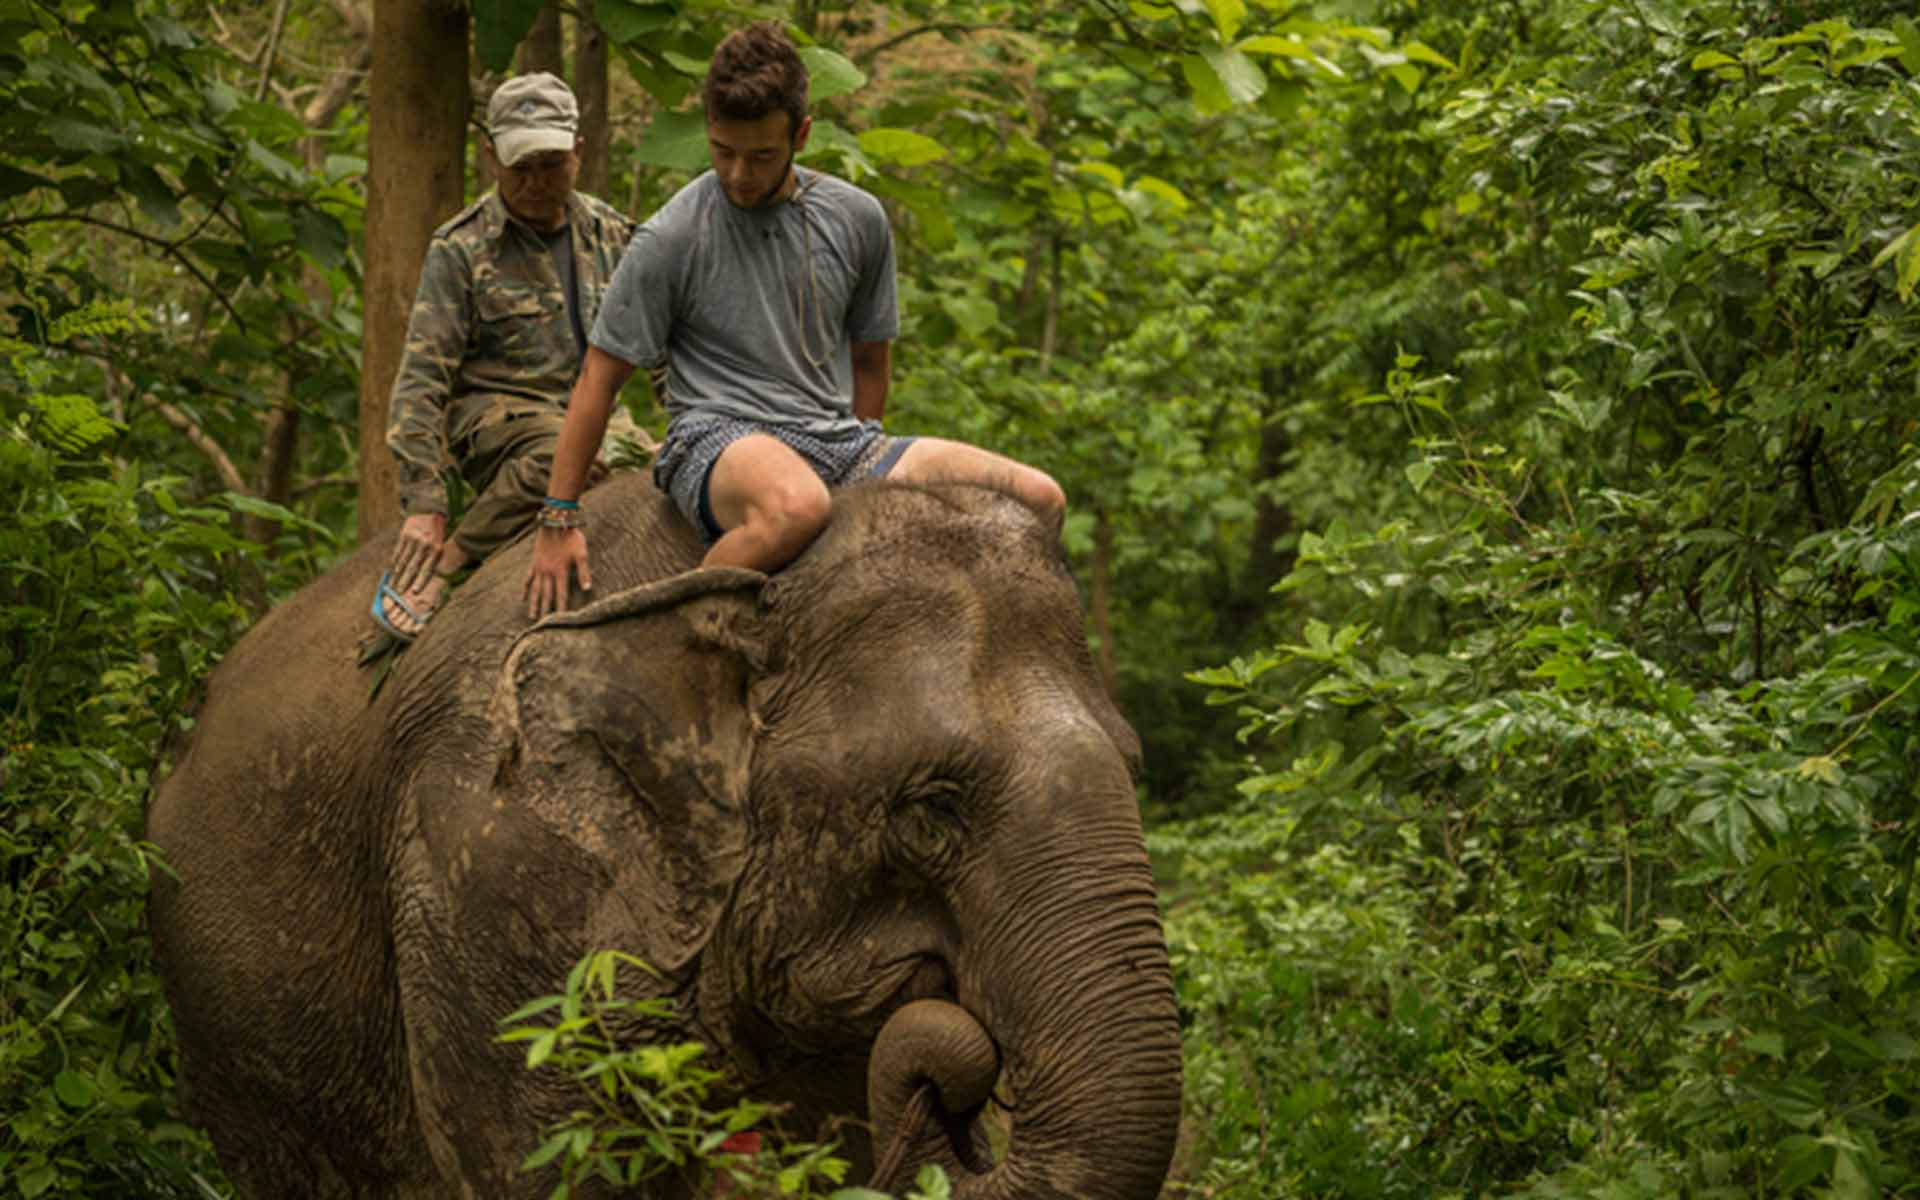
(937, 460)
(770, 502)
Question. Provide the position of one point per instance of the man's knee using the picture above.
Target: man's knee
(1039, 491)
(792, 511)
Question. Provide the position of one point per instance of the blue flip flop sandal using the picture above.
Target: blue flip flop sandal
(385, 593)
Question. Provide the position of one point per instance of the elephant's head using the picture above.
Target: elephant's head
(887, 776)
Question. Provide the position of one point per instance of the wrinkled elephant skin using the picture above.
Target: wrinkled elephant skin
(881, 791)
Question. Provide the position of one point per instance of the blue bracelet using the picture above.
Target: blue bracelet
(550, 502)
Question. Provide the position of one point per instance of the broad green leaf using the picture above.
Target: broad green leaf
(830, 74)
(974, 314)
(1418, 474)
(36, 1180)
(677, 140)
(1106, 172)
(1907, 247)
(1662, 15)
(1850, 1179)
(1228, 17)
(14, 181)
(1209, 91)
(74, 1089)
(531, 1008)
(1161, 190)
(667, 86)
(1283, 46)
(498, 28)
(155, 198)
(321, 236)
(548, 1151)
(902, 147)
(931, 1183)
(255, 507)
(1771, 1044)
(626, 22)
(1909, 35)
(83, 137)
(274, 165)
(1707, 60)
(1240, 77)
(829, 141)
(931, 209)
(1421, 52)
(1871, 54)
(542, 1048)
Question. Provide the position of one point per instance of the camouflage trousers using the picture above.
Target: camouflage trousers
(506, 460)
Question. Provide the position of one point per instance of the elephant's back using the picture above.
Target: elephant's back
(275, 718)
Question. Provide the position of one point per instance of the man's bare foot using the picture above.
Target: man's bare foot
(405, 614)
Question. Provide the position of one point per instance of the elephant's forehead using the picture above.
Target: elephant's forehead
(941, 656)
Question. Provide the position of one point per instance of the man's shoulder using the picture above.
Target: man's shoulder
(693, 201)
(603, 214)
(857, 203)
(475, 222)
(678, 222)
(840, 191)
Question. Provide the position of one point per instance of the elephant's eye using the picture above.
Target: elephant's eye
(928, 820)
(941, 797)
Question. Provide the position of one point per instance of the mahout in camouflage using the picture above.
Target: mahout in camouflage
(489, 340)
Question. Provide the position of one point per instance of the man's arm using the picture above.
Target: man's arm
(417, 411)
(872, 368)
(560, 553)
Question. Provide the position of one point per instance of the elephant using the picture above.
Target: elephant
(871, 821)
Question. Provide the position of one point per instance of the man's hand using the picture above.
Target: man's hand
(557, 555)
(415, 555)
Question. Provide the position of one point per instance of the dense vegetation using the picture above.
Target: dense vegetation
(1491, 435)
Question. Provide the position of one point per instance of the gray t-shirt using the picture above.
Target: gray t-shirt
(753, 309)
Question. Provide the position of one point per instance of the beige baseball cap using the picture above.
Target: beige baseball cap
(532, 113)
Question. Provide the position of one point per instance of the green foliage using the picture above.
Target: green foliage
(1576, 853)
(653, 1108)
(140, 176)
(105, 626)
(1553, 357)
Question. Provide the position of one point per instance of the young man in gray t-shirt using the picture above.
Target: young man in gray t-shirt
(769, 291)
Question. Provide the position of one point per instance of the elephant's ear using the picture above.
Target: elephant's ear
(625, 729)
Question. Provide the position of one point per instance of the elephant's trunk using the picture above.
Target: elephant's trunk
(1072, 985)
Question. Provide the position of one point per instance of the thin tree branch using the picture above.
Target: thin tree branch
(323, 482)
(171, 249)
(872, 52)
(204, 443)
(271, 50)
(323, 108)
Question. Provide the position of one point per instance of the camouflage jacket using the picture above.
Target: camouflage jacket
(489, 336)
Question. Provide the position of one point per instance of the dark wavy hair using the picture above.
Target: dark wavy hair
(756, 71)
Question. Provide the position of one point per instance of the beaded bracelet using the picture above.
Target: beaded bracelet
(553, 516)
(556, 502)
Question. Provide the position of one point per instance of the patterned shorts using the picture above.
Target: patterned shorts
(694, 444)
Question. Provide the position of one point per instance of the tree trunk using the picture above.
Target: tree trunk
(416, 132)
(590, 88)
(540, 50)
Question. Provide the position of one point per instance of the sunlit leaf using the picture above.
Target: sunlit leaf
(829, 73)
